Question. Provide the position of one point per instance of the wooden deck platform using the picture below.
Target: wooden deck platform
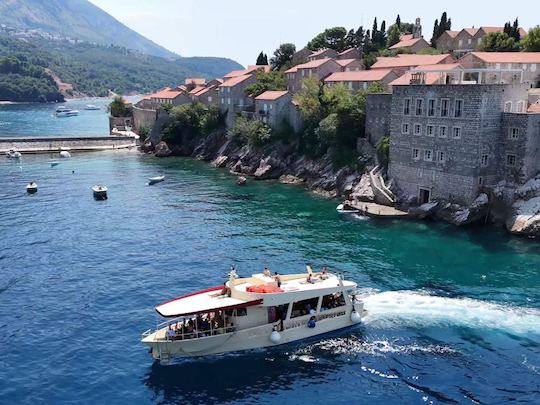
(380, 211)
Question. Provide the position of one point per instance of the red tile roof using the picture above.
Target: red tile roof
(406, 43)
(361, 76)
(205, 90)
(345, 62)
(430, 78)
(271, 95)
(409, 61)
(321, 52)
(195, 90)
(310, 65)
(243, 72)
(166, 93)
(534, 108)
(195, 80)
(346, 51)
(508, 57)
(235, 80)
(405, 37)
(452, 34)
(488, 30)
(471, 31)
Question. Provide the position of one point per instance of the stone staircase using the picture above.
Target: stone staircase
(383, 195)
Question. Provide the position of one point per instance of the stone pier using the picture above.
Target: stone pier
(73, 144)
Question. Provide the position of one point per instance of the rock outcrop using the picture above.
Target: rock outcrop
(162, 150)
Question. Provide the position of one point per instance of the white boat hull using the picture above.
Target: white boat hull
(296, 329)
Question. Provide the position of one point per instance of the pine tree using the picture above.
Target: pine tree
(382, 35)
(262, 59)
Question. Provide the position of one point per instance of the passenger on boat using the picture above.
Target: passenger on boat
(312, 322)
(225, 290)
(310, 279)
(277, 279)
(324, 273)
(170, 333)
(266, 272)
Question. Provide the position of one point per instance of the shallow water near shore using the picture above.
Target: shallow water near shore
(453, 314)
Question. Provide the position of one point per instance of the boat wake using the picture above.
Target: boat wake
(419, 309)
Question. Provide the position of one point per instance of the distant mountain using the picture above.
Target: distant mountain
(77, 19)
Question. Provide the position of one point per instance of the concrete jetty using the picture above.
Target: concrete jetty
(377, 210)
(74, 144)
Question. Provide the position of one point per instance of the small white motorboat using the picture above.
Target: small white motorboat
(154, 180)
(63, 111)
(241, 181)
(64, 154)
(31, 188)
(92, 107)
(13, 154)
(100, 192)
(346, 209)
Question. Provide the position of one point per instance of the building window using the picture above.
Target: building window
(417, 129)
(428, 155)
(441, 157)
(228, 89)
(419, 106)
(430, 130)
(484, 160)
(443, 129)
(209, 99)
(458, 108)
(510, 160)
(508, 106)
(431, 108)
(229, 101)
(533, 67)
(222, 101)
(514, 133)
(415, 154)
(520, 106)
(480, 181)
(445, 103)
(405, 128)
(456, 132)
(407, 106)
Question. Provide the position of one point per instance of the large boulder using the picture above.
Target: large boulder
(424, 211)
(459, 215)
(525, 217)
(363, 190)
(162, 150)
(220, 161)
(290, 179)
(269, 168)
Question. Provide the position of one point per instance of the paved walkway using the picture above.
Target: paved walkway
(377, 210)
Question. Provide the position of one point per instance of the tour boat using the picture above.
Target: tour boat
(63, 111)
(254, 312)
(92, 107)
(100, 192)
(13, 154)
(154, 180)
(31, 188)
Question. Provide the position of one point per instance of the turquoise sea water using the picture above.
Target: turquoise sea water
(453, 314)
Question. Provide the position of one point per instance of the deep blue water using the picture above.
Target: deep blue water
(453, 314)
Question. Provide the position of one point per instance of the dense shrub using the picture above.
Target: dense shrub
(253, 132)
(191, 120)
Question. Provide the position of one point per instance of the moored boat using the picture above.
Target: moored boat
(346, 209)
(64, 154)
(13, 154)
(100, 192)
(157, 179)
(32, 188)
(92, 107)
(254, 312)
(63, 111)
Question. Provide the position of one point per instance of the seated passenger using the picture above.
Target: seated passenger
(324, 273)
(266, 272)
(311, 323)
(170, 334)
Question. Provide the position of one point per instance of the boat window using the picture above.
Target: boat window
(304, 307)
(277, 313)
(236, 312)
(331, 301)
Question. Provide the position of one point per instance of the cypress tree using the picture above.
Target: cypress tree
(398, 21)
(435, 33)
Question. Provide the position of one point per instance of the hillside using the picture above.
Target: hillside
(77, 19)
(92, 70)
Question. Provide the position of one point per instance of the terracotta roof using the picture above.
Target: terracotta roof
(243, 72)
(408, 61)
(534, 108)
(508, 57)
(310, 65)
(195, 80)
(488, 30)
(452, 34)
(320, 52)
(271, 95)
(361, 76)
(471, 31)
(345, 62)
(167, 93)
(405, 37)
(195, 90)
(346, 51)
(406, 43)
(205, 90)
(234, 81)
(430, 78)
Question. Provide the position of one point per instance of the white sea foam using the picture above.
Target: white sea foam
(416, 308)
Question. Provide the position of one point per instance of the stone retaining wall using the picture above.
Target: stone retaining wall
(46, 144)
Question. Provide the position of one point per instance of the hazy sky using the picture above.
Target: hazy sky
(240, 29)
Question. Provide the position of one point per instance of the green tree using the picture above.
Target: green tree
(531, 43)
(394, 34)
(253, 132)
(262, 59)
(309, 99)
(398, 22)
(274, 80)
(118, 107)
(439, 28)
(332, 38)
(498, 42)
(282, 58)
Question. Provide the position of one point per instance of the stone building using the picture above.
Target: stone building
(402, 63)
(351, 53)
(351, 65)
(323, 54)
(232, 97)
(272, 108)
(452, 141)
(361, 80)
(467, 40)
(207, 96)
(319, 69)
(414, 42)
(377, 116)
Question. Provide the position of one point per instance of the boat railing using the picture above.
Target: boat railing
(183, 334)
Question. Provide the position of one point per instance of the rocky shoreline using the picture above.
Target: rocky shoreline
(516, 209)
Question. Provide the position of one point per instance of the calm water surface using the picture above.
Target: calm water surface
(453, 315)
